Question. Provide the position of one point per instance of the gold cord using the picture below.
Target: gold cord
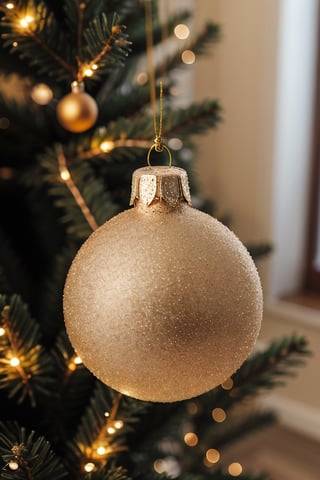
(157, 145)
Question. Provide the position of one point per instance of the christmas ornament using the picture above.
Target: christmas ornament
(77, 111)
(162, 302)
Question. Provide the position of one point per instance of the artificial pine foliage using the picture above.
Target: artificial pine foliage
(57, 420)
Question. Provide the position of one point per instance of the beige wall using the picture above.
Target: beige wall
(238, 164)
(234, 163)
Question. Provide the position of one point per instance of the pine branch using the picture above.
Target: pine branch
(25, 457)
(111, 472)
(100, 434)
(198, 45)
(195, 119)
(48, 48)
(234, 429)
(263, 371)
(37, 41)
(92, 190)
(105, 46)
(72, 391)
(266, 370)
(29, 122)
(25, 368)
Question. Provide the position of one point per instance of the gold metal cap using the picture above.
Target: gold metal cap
(162, 183)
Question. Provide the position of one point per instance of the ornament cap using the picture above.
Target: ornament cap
(161, 183)
(77, 87)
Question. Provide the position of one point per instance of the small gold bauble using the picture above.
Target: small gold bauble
(163, 302)
(77, 111)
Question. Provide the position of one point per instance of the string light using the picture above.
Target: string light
(64, 174)
(101, 450)
(13, 465)
(175, 143)
(89, 467)
(74, 362)
(235, 469)
(181, 31)
(106, 146)
(159, 466)
(118, 424)
(41, 94)
(14, 362)
(111, 430)
(219, 415)
(142, 78)
(25, 22)
(10, 6)
(94, 67)
(14, 44)
(107, 414)
(191, 439)
(2, 331)
(88, 72)
(188, 57)
(227, 384)
(212, 455)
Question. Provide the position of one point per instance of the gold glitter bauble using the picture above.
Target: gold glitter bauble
(162, 302)
(77, 111)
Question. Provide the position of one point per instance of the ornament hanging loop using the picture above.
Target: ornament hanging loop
(159, 147)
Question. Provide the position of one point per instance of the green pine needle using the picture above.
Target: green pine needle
(33, 455)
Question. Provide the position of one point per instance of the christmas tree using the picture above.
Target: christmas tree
(57, 186)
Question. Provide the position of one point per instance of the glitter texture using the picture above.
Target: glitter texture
(163, 303)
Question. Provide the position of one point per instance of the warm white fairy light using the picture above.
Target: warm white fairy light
(111, 430)
(175, 144)
(142, 78)
(77, 361)
(64, 174)
(182, 31)
(13, 465)
(219, 415)
(2, 331)
(235, 469)
(10, 6)
(118, 424)
(101, 450)
(41, 94)
(106, 146)
(25, 21)
(188, 57)
(191, 439)
(89, 467)
(212, 455)
(14, 362)
(227, 384)
(14, 44)
(94, 67)
(159, 466)
(88, 72)
(106, 414)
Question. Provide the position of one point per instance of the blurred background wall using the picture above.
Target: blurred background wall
(256, 166)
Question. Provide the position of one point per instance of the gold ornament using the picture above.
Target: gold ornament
(163, 302)
(77, 111)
